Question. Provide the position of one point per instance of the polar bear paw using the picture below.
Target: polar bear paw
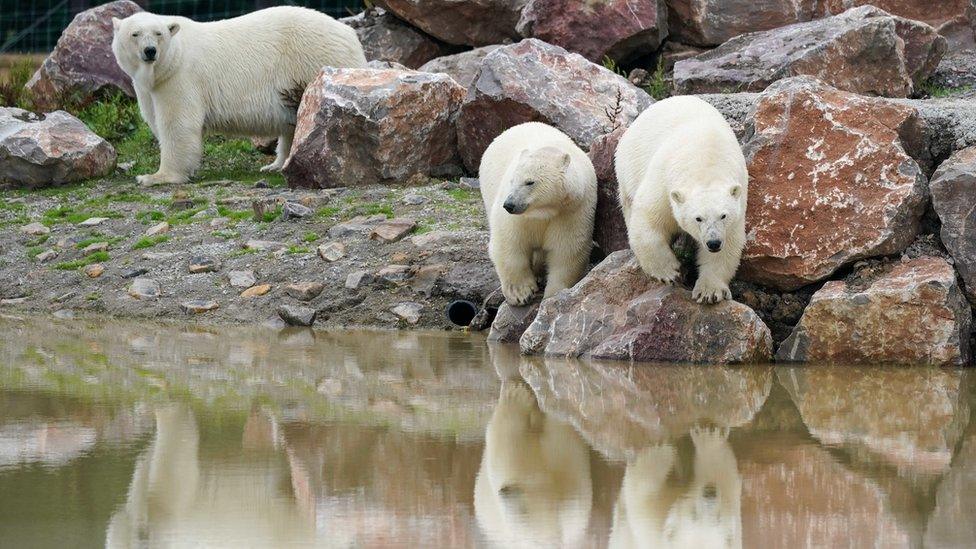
(150, 180)
(705, 436)
(520, 294)
(272, 167)
(710, 291)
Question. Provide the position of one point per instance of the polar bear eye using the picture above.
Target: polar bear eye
(529, 183)
(698, 219)
(723, 216)
(135, 35)
(157, 33)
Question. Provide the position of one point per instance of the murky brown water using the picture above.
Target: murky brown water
(122, 434)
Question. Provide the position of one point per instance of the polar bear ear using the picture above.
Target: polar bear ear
(735, 191)
(116, 23)
(174, 28)
(677, 197)
(564, 160)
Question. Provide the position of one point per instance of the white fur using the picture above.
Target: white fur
(653, 510)
(680, 168)
(226, 76)
(534, 487)
(556, 227)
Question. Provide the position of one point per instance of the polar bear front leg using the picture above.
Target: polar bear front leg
(514, 267)
(180, 146)
(652, 249)
(566, 263)
(282, 151)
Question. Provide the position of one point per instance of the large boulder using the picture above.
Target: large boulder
(863, 50)
(953, 189)
(609, 227)
(462, 67)
(386, 38)
(933, 13)
(711, 22)
(910, 418)
(910, 313)
(82, 63)
(371, 125)
(536, 81)
(461, 22)
(819, 158)
(618, 29)
(39, 150)
(617, 312)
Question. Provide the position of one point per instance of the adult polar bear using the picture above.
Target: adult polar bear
(680, 168)
(236, 76)
(539, 191)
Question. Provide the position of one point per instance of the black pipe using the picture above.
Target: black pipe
(461, 312)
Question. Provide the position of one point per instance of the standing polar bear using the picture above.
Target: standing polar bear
(539, 191)
(680, 168)
(241, 76)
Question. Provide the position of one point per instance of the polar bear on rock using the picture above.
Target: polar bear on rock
(539, 190)
(241, 76)
(680, 168)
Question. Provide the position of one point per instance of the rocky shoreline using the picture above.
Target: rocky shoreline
(857, 125)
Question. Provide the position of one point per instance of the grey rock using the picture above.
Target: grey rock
(462, 67)
(304, 291)
(35, 229)
(198, 306)
(44, 150)
(242, 279)
(297, 316)
(332, 251)
(408, 311)
(386, 38)
(511, 322)
(357, 279)
(953, 189)
(144, 288)
(203, 264)
(294, 210)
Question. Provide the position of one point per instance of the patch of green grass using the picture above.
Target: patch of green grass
(34, 251)
(94, 296)
(936, 91)
(242, 252)
(463, 194)
(40, 240)
(68, 214)
(113, 117)
(234, 215)
(12, 90)
(152, 215)
(658, 85)
(611, 65)
(184, 217)
(150, 241)
(328, 211)
(310, 237)
(298, 250)
(97, 257)
(368, 209)
(270, 216)
(97, 238)
(226, 234)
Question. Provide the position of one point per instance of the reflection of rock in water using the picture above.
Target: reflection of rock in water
(658, 509)
(419, 382)
(952, 522)
(911, 418)
(178, 498)
(534, 487)
(622, 408)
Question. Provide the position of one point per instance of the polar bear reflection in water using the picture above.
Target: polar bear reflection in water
(534, 488)
(656, 509)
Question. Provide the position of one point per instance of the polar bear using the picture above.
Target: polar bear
(241, 76)
(539, 191)
(680, 168)
(656, 508)
(534, 487)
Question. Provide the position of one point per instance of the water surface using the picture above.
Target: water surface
(122, 434)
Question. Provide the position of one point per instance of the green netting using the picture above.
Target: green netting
(28, 26)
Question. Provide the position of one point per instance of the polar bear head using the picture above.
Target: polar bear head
(707, 213)
(537, 187)
(143, 38)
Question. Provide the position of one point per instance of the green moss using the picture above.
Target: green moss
(464, 194)
(34, 251)
(298, 250)
(933, 90)
(226, 234)
(151, 215)
(150, 241)
(270, 216)
(234, 215)
(97, 257)
(68, 214)
(310, 237)
(328, 211)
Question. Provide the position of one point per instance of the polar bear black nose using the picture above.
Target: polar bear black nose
(714, 245)
(150, 53)
(509, 206)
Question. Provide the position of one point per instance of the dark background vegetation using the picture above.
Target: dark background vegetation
(33, 26)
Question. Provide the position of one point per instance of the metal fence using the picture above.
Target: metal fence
(33, 26)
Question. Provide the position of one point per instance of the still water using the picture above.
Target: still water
(122, 434)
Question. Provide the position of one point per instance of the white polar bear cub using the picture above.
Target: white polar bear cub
(240, 76)
(680, 168)
(539, 190)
